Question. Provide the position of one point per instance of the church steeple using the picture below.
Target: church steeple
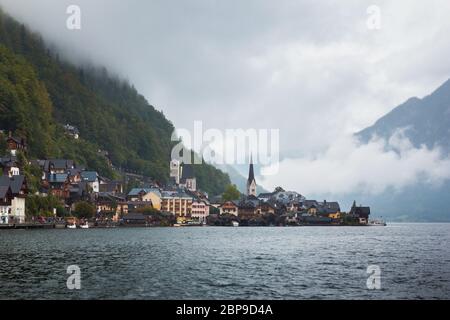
(251, 181)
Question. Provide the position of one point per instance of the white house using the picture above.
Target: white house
(92, 179)
(12, 199)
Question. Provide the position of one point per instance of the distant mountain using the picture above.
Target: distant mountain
(39, 93)
(425, 122)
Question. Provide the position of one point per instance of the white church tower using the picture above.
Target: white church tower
(175, 170)
(251, 182)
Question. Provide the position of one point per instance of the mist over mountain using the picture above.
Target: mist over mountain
(40, 93)
(425, 123)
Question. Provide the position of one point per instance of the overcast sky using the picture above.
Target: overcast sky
(312, 69)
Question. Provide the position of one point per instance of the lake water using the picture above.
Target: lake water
(228, 263)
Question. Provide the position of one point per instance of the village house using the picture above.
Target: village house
(107, 203)
(111, 186)
(6, 198)
(266, 208)
(229, 207)
(15, 144)
(200, 210)
(74, 175)
(78, 192)
(58, 185)
(360, 213)
(142, 197)
(19, 190)
(53, 166)
(329, 209)
(178, 203)
(310, 207)
(248, 208)
(92, 179)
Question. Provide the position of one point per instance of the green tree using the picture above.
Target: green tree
(148, 211)
(42, 206)
(231, 193)
(84, 209)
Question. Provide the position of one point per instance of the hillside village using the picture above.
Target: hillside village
(69, 194)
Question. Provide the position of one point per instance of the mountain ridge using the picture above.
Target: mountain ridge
(108, 112)
(426, 122)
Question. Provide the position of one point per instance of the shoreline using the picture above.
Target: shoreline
(63, 227)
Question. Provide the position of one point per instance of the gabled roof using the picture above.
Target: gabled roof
(137, 191)
(175, 194)
(266, 195)
(233, 202)
(60, 164)
(74, 171)
(78, 188)
(329, 207)
(106, 196)
(4, 190)
(8, 161)
(89, 176)
(362, 212)
(310, 204)
(57, 177)
(15, 183)
(16, 140)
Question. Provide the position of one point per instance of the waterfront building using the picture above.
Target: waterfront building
(229, 207)
(15, 210)
(200, 210)
(107, 203)
(6, 198)
(148, 196)
(178, 203)
(361, 213)
(329, 209)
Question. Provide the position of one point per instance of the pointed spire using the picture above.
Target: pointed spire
(251, 173)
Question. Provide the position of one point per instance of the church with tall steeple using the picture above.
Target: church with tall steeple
(251, 181)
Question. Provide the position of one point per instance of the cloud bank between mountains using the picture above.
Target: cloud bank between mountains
(348, 166)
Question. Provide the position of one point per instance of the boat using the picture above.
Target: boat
(71, 226)
(84, 226)
(235, 223)
(377, 223)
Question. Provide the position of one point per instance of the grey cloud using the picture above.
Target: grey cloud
(310, 68)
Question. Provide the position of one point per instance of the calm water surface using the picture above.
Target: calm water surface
(228, 263)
